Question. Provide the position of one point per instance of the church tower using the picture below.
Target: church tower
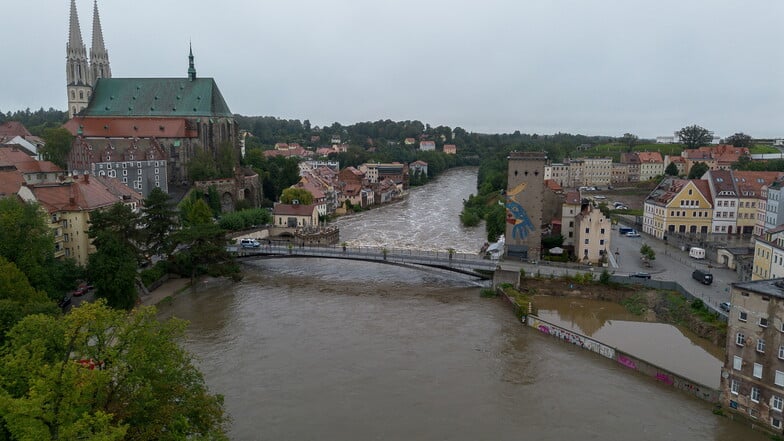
(99, 56)
(77, 68)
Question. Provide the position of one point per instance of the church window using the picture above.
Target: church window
(73, 97)
(81, 95)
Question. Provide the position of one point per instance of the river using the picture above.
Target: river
(307, 349)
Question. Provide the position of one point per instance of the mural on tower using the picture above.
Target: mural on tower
(516, 215)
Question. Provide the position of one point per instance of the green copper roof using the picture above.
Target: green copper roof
(157, 97)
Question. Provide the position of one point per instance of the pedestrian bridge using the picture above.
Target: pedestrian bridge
(469, 264)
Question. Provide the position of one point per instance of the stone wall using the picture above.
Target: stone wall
(630, 361)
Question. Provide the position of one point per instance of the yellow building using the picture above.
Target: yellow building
(769, 255)
(680, 206)
(69, 204)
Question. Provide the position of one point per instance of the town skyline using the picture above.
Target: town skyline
(495, 68)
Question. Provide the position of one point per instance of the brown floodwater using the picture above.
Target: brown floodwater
(316, 349)
(328, 350)
(670, 347)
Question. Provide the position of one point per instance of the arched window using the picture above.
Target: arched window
(73, 95)
(81, 95)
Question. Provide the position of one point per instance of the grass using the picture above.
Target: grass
(614, 150)
(637, 304)
(760, 149)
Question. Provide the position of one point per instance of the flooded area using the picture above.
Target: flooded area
(306, 349)
(670, 347)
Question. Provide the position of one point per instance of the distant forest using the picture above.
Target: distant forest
(36, 121)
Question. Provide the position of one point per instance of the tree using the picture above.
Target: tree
(647, 252)
(695, 136)
(300, 195)
(118, 222)
(159, 219)
(739, 140)
(58, 142)
(112, 268)
(629, 140)
(697, 170)
(227, 160)
(202, 167)
(103, 374)
(27, 241)
(18, 298)
(203, 245)
(671, 170)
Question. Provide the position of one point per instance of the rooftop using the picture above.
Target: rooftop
(771, 287)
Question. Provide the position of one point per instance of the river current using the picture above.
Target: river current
(306, 349)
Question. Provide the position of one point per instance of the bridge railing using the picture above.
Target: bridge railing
(402, 255)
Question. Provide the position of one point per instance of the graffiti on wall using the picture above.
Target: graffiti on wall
(571, 337)
(516, 214)
(626, 361)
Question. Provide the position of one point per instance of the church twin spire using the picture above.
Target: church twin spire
(82, 73)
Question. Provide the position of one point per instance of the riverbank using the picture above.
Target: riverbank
(652, 305)
(167, 289)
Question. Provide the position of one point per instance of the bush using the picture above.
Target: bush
(488, 292)
(242, 220)
(604, 278)
(697, 304)
(150, 275)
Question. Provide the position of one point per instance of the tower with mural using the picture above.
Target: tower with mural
(523, 199)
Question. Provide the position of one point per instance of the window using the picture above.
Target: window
(775, 422)
(139, 171)
(602, 231)
(763, 322)
(777, 403)
(755, 394)
(125, 172)
(157, 170)
(740, 339)
(761, 345)
(743, 315)
(737, 363)
(587, 230)
(586, 241)
(757, 370)
(735, 387)
(779, 380)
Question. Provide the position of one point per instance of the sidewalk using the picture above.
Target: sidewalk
(169, 288)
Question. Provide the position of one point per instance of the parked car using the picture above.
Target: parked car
(633, 233)
(725, 306)
(624, 230)
(598, 196)
(250, 243)
(640, 275)
(65, 301)
(79, 291)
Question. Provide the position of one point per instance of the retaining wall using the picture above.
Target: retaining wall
(630, 361)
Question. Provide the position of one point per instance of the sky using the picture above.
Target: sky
(599, 67)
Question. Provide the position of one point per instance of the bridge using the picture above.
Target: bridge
(469, 264)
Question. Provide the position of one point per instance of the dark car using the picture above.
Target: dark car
(703, 277)
(65, 301)
(640, 275)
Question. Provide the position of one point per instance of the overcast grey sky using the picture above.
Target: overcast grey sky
(599, 67)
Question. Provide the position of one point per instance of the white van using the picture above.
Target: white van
(250, 243)
(697, 253)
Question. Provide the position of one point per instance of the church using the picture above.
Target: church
(144, 131)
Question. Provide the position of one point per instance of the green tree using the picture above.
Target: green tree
(697, 170)
(695, 136)
(27, 241)
(671, 170)
(58, 142)
(647, 252)
(629, 140)
(739, 140)
(202, 167)
(159, 219)
(112, 268)
(103, 374)
(227, 160)
(121, 223)
(18, 298)
(203, 245)
(300, 195)
(194, 210)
